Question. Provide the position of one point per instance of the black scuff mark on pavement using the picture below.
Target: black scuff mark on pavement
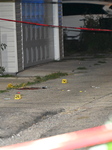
(24, 121)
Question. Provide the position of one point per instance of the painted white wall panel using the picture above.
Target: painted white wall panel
(56, 31)
(7, 24)
(8, 36)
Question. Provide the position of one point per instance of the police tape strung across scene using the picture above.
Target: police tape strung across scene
(55, 26)
(69, 141)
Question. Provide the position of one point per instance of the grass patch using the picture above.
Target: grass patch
(49, 77)
(2, 91)
(101, 61)
(81, 59)
(7, 75)
(96, 64)
(99, 56)
(38, 79)
(81, 68)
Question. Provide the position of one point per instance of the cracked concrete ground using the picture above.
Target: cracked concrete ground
(84, 102)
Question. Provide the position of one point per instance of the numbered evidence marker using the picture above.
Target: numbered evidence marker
(64, 80)
(18, 96)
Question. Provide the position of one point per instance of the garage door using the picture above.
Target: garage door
(35, 38)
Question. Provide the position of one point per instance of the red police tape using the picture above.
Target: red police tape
(46, 25)
(68, 141)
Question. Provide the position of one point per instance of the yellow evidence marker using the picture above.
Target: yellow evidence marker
(18, 96)
(64, 81)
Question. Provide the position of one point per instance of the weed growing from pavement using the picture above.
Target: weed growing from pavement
(101, 61)
(2, 91)
(49, 77)
(7, 75)
(81, 68)
(99, 56)
(38, 79)
(96, 64)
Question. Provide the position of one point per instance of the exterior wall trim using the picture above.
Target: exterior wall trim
(56, 31)
(15, 37)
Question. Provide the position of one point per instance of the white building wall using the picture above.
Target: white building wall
(8, 36)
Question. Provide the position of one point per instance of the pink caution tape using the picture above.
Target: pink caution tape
(68, 141)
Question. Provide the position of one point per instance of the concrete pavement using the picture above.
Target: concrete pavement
(39, 70)
(68, 66)
(85, 101)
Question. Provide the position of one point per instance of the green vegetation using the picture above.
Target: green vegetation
(101, 61)
(96, 42)
(96, 64)
(2, 48)
(81, 59)
(7, 75)
(81, 68)
(2, 69)
(38, 79)
(2, 91)
(100, 56)
(52, 76)
(91, 43)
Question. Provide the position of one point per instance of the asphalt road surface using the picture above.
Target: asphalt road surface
(84, 102)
